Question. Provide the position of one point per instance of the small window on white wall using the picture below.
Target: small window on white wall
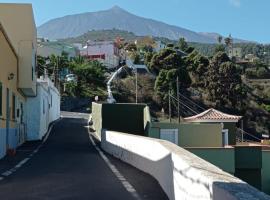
(43, 106)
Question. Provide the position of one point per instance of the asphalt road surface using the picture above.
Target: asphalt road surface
(68, 166)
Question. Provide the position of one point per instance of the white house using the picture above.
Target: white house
(106, 52)
(159, 46)
(42, 109)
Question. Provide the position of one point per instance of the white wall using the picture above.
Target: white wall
(181, 174)
(42, 110)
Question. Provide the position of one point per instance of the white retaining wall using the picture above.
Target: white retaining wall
(181, 174)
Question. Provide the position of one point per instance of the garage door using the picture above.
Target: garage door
(170, 135)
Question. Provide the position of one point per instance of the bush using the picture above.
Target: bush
(251, 73)
(266, 107)
(262, 73)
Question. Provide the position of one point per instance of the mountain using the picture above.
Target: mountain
(117, 18)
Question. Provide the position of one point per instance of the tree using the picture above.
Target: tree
(223, 82)
(41, 65)
(182, 44)
(219, 39)
(170, 45)
(147, 58)
(168, 64)
(219, 48)
(135, 56)
(229, 43)
(165, 59)
(131, 47)
(197, 67)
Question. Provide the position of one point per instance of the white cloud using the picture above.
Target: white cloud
(235, 3)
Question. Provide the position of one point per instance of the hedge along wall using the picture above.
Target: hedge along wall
(127, 118)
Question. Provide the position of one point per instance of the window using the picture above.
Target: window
(43, 106)
(13, 106)
(1, 98)
(170, 135)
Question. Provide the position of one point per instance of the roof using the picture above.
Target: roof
(213, 115)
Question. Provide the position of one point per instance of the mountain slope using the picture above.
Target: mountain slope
(117, 18)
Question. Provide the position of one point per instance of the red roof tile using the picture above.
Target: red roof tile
(213, 115)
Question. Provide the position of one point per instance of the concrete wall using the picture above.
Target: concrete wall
(146, 119)
(266, 171)
(123, 117)
(248, 164)
(119, 117)
(191, 134)
(97, 118)
(220, 157)
(181, 174)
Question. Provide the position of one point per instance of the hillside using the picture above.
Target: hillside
(117, 18)
(102, 35)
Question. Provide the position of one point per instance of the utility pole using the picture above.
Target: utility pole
(242, 130)
(136, 86)
(178, 99)
(170, 109)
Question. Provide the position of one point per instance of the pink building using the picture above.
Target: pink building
(106, 52)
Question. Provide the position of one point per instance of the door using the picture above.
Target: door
(225, 137)
(7, 118)
(170, 135)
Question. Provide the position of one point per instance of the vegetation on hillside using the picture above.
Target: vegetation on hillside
(215, 81)
(107, 35)
(91, 75)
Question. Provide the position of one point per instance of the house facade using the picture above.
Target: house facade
(17, 77)
(106, 52)
(213, 116)
(19, 24)
(18, 82)
(11, 99)
(44, 108)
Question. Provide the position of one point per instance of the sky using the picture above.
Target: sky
(244, 19)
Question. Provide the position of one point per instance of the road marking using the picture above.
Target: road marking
(22, 162)
(116, 172)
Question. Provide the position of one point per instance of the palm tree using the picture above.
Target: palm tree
(229, 43)
(219, 39)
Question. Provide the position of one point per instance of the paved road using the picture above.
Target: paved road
(69, 167)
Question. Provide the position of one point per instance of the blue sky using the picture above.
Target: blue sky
(245, 19)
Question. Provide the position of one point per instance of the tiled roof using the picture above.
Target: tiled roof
(213, 115)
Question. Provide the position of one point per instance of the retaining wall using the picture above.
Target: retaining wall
(181, 174)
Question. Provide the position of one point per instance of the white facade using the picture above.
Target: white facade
(106, 52)
(42, 109)
(159, 46)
